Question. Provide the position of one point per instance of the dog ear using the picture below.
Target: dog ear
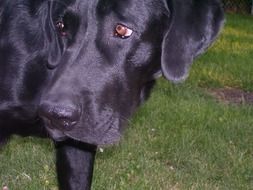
(193, 27)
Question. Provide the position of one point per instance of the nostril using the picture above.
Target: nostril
(60, 116)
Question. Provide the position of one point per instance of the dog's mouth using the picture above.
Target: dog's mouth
(57, 128)
(99, 132)
(56, 134)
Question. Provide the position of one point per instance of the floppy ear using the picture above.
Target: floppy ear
(193, 27)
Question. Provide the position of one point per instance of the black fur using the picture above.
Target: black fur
(66, 70)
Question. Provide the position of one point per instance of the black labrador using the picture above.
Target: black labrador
(76, 70)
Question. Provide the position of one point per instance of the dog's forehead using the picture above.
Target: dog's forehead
(128, 8)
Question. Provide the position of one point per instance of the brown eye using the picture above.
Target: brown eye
(122, 31)
(61, 28)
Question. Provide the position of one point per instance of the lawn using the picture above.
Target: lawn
(183, 138)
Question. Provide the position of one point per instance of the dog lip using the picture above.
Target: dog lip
(56, 134)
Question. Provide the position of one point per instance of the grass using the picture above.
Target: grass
(181, 139)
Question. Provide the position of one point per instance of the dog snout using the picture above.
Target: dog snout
(58, 116)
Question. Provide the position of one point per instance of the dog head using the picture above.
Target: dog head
(113, 51)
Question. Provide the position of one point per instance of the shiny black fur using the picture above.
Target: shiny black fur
(66, 72)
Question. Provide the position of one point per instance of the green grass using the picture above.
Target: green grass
(27, 164)
(229, 61)
(181, 139)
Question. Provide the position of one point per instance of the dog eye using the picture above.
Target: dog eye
(122, 31)
(61, 28)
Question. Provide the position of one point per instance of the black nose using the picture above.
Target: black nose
(61, 117)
